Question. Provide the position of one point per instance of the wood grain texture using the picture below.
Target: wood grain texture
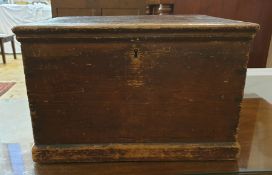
(140, 24)
(101, 84)
(134, 152)
(148, 93)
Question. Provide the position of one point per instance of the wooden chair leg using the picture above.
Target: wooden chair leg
(3, 52)
(13, 48)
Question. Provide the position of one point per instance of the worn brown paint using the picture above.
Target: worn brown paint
(138, 88)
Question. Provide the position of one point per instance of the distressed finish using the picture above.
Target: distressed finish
(146, 88)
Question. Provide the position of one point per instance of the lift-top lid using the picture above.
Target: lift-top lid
(116, 24)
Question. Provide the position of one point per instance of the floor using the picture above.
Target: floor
(14, 113)
(13, 71)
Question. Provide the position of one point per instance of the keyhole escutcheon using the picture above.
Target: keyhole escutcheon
(135, 53)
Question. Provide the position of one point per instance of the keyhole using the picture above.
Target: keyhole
(135, 53)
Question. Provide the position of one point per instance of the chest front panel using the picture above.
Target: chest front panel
(135, 91)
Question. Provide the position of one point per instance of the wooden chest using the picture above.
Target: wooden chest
(136, 88)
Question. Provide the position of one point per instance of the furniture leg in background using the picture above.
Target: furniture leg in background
(4, 39)
(3, 52)
(13, 47)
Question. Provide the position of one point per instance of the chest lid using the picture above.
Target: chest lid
(169, 24)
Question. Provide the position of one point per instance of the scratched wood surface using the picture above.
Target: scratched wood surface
(112, 23)
(123, 90)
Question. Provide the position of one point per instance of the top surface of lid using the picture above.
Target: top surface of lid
(198, 22)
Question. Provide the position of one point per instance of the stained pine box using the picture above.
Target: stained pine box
(136, 88)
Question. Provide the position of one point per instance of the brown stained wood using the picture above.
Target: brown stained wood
(138, 94)
(257, 11)
(138, 24)
(134, 152)
(122, 87)
(97, 7)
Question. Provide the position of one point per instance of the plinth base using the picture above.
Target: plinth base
(134, 152)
